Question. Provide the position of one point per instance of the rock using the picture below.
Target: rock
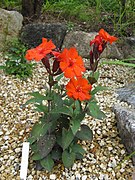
(127, 94)
(126, 127)
(10, 26)
(127, 46)
(112, 52)
(32, 33)
(81, 40)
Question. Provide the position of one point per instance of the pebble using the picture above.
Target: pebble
(53, 176)
(103, 154)
(17, 150)
(84, 177)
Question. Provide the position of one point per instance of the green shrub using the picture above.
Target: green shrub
(16, 63)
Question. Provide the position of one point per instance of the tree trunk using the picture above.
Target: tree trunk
(32, 8)
(27, 8)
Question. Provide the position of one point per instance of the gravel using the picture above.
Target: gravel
(104, 156)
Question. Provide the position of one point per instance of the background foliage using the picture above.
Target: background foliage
(117, 15)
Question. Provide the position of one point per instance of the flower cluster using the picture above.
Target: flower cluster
(99, 44)
(58, 134)
(68, 62)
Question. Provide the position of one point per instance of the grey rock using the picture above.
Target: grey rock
(32, 33)
(127, 46)
(127, 94)
(10, 26)
(81, 40)
(126, 127)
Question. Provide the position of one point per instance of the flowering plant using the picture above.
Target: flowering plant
(58, 134)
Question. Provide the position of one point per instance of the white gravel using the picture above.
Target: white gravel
(103, 155)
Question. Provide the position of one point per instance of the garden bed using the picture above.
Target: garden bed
(104, 156)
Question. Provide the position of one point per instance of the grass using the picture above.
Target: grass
(108, 12)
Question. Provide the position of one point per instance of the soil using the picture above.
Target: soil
(74, 24)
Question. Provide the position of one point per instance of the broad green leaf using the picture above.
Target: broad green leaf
(68, 158)
(59, 77)
(75, 122)
(93, 78)
(99, 88)
(67, 138)
(62, 110)
(59, 139)
(41, 108)
(34, 147)
(2, 67)
(38, 98)
(68, 102)
(77, 148)
(85, 133)
(47, 163)
(57, 100)
(38, 130)
(95, 111)
(45, 144)
(31, 139)
(79, 156)
(56, 153)
(36, 156)
(96, 75)
(32, 100)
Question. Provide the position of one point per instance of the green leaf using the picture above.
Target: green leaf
(77, 148)
(68, 102)
(38, 98)
(41, 108)
(96, 75)
(85, 133)
(34, 147)
(79, 156)
(99, 88)
(62, 110)
(95, 111)
(119, 63)
(75, 124)
(2, 67)
(67, 138)
(68, 158)
(47, 163)
(36, 156)
(39, 129)
(56, 153)
(59, 77)
(57, 99)
(93, 78)
(45, 144)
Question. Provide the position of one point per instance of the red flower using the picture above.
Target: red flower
(79, 89)
(107, 37)
(40, 51)
(98, 42)
(71, 63)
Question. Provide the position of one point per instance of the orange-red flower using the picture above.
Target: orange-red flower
(79, 89)
(98, 41)
(71, 63)
(40, 51)
(107, 37)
